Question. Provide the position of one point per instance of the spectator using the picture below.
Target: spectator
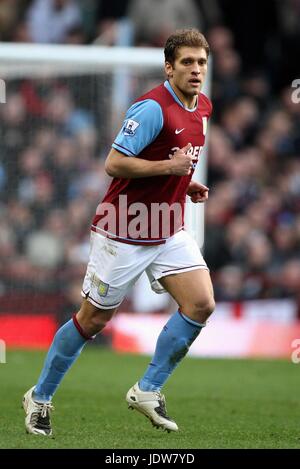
(163, 17)
(50, 21)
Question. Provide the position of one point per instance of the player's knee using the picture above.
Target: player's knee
(204, 309)
(92, 319)
(200, 310)
(99, 320)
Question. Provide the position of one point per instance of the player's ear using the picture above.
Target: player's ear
(169, 69)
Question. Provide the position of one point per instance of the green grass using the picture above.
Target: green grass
(216, 403)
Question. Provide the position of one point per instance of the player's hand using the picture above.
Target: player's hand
(198, 192)
(181, 162)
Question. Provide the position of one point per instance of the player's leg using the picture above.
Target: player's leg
(112, 269)
(70, 339)
(67, 345)
(192, 290)
(194, 294)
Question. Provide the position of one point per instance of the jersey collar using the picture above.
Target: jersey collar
(172, 92)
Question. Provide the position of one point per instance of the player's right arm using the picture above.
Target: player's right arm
(143, 123)
(119, 165)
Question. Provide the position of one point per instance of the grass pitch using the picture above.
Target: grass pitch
(216, 404)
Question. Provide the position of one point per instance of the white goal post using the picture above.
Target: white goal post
(33, 61)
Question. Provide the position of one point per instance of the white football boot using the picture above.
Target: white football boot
(153, 405)
(37, 420)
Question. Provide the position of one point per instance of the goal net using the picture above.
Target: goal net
(63, 107)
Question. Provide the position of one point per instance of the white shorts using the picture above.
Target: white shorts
(114, 267)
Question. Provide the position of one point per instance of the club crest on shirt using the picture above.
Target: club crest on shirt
(130, 127)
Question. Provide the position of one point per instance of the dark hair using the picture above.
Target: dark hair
(184, 38)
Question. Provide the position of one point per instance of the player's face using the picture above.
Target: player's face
(188, 72)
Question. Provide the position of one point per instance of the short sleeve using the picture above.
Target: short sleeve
(142, 124)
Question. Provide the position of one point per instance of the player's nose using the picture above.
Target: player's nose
(196, 70)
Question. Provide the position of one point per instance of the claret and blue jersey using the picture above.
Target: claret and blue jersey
(156, 125)
(145, 120)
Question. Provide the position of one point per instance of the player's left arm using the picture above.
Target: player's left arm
(198, 192)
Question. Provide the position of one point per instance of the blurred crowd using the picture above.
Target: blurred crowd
(52, 152)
